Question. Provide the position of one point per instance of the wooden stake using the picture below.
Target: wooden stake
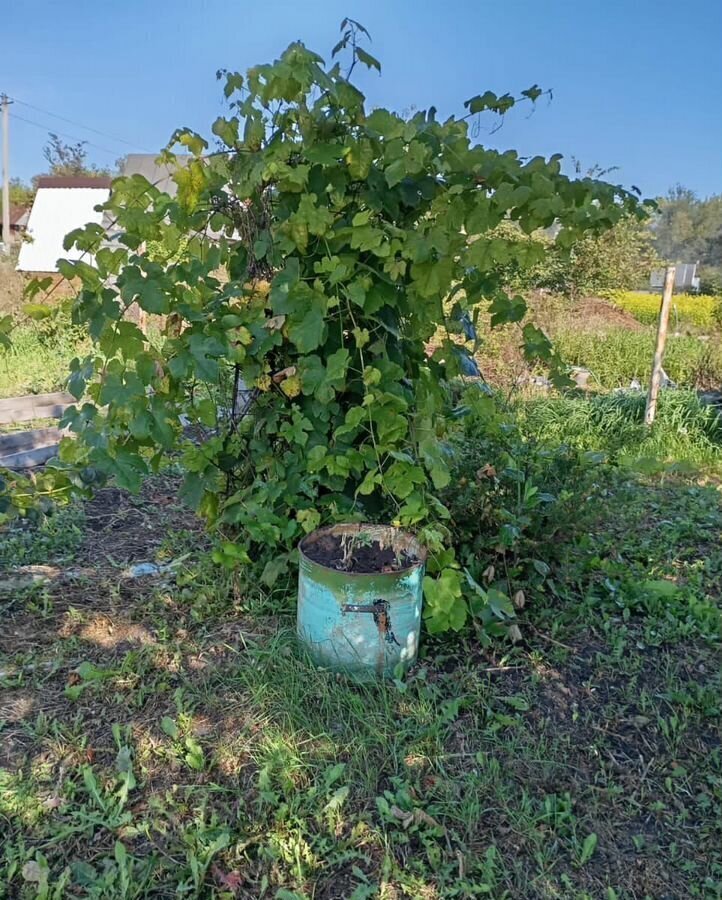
(651, 409)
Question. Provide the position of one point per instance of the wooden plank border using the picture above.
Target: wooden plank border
(34, 406)
(28, 459)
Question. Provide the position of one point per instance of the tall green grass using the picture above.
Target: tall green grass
(37, 362)
(617, 356)
(686, 430)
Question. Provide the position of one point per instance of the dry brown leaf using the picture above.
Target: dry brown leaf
(32, 871)
(515, 634)
(486, 471)
(275, 323)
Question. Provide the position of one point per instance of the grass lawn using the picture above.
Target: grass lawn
(165, 737)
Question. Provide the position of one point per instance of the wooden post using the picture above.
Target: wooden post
(7, 237)
(651, 409)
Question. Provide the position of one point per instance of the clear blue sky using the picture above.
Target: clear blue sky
(637, 83)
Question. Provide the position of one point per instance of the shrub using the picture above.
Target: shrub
(323, 242)
(701, 310)
(620, 258)
(510, 495)
(711, 282)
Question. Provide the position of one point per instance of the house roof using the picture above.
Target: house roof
(160, 175)
(74, 181)
(19, 216)
(58, 209)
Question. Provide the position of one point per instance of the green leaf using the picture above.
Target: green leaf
(517, 701)
(307, 329)
(533, 93)
(169, 727)
(359, 156)
(445, 606)
(190, 139)
(337, 366)
(481, 102)
(536, 344)
(505, 310)
(395, 172)
(194, 756)
(401, 478)
(324, 154)
(273, 569)
(660, 588)
(282, 284)
(386, 124)
(367, 59)
(317, 219)
(145, 291)
(588, 848)
(337, 799)
(432, 278)
(226, 130)
(37, 311)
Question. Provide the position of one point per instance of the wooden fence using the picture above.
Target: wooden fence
(33, 447)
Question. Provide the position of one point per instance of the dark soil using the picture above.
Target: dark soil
(356, 557)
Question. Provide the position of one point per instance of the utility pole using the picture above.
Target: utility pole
(651, 409)
(5, 104)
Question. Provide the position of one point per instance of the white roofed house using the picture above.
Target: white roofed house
(61, 204)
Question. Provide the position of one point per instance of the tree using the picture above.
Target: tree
(323, 247)
(620, 259)
(69, 159)
(687, 229)
(21, 194)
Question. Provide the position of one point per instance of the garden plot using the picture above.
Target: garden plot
(167, 735)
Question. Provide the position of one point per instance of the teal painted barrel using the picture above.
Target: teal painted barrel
(357, 623)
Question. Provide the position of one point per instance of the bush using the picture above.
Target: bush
(520, 474)
(321, 246)
(711, 282)
(510, 495)
(618, 356)
(621, 258)
(701, 310)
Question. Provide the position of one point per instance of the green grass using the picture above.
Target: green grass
(168, 737)
(52, 541)
(686, 430)
(699, 310)
(37, 363)
(617, 356)
(171, 739)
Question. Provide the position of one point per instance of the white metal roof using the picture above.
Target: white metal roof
(55, 212)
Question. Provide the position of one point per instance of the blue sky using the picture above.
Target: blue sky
(637, 84)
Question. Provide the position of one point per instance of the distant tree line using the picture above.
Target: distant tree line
(687, 229)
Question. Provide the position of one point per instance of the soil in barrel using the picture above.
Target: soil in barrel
(356, 555)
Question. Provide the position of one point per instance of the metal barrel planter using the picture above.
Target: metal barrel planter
(363, 624)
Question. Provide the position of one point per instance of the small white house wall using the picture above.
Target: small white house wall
(55, 212)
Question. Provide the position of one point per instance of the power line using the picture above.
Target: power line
(72, 137)
(79, 124)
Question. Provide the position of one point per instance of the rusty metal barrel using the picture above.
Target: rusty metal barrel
(365, 624)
